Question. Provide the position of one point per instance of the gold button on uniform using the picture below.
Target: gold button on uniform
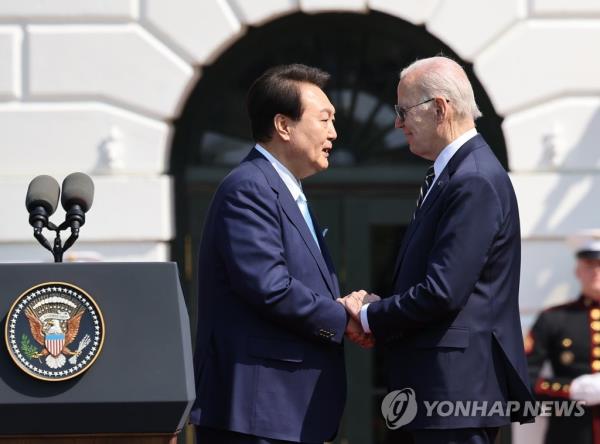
(567, 342)
(556, 386)
(596, 365)
(595, 325)
(596, 352)
(595, 314)
(596, 338)
(567, 357)
(544, 385)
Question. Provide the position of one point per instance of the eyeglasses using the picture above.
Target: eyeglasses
(401, 112)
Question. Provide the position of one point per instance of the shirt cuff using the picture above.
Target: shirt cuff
(364, 321)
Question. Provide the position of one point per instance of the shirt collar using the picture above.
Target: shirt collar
(450, 150)
(288, 178)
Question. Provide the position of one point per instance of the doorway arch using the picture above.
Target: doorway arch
(362, 52)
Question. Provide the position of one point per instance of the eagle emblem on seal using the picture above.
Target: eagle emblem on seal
(55, 332)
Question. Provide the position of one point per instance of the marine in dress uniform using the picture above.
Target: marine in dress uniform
(568, 337)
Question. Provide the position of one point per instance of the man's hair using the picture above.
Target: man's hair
(276, 92)
(442, 76)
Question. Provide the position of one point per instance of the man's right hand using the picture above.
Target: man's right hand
(355, 333)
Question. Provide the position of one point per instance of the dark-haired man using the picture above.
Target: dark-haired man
(269, 356)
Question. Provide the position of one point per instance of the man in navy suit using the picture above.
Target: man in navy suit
(269, 358)
(451, 328)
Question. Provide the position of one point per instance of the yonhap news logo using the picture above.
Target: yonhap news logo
(400, 408)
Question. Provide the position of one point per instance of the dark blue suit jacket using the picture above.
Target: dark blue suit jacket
(452, 329)
(269, 358)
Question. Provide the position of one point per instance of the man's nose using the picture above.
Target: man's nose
(332, 133)
(399, 123)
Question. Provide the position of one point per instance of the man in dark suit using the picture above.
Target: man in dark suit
(568, 338)
(269, 358)
(451, 328)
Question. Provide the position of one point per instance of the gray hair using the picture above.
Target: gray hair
(441, 76)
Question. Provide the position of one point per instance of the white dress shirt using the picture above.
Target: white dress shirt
(295, 188)
(438, 166)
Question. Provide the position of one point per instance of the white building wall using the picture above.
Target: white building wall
(94, 86)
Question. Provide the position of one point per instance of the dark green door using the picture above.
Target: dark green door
(364, 233)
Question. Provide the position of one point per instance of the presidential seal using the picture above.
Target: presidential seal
(54, 331)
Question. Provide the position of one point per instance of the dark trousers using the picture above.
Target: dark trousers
(206, 435)
(456, 436)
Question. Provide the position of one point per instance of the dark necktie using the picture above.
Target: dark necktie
(424, 188)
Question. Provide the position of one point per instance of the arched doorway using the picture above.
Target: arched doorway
(367, 196)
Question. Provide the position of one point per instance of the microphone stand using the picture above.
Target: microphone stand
(58, 249)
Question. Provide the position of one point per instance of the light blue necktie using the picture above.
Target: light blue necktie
(303, 206)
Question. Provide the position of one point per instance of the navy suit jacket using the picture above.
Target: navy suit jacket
(269, 359)
(451, 329)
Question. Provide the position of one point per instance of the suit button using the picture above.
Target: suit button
(596, 365)
(544, 385)
(556, 386)
(595, 314)
(567, 342)
(595, 325)
(596, 352)
(596, 338)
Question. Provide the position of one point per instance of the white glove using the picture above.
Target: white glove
(586, 388)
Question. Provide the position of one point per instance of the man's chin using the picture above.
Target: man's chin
(322, 165)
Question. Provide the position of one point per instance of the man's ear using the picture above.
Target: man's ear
(441, 108)
(281, 124)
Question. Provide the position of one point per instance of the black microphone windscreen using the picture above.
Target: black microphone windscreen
(43, 191)
(77, 189)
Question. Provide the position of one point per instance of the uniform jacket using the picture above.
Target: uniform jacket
(568, 338)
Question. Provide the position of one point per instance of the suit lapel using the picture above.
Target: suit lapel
(438, 186)
(436, 191)
(290, 208)
(326, 255)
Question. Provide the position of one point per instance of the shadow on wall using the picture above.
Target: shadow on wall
(573, 198)
(570, 204)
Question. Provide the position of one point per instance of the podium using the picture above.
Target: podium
(140, 387)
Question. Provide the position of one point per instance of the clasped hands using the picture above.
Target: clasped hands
(353, 302)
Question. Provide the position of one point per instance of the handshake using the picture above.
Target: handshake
(353, 303)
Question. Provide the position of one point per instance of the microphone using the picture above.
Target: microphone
(77, 197)
(41, 200)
